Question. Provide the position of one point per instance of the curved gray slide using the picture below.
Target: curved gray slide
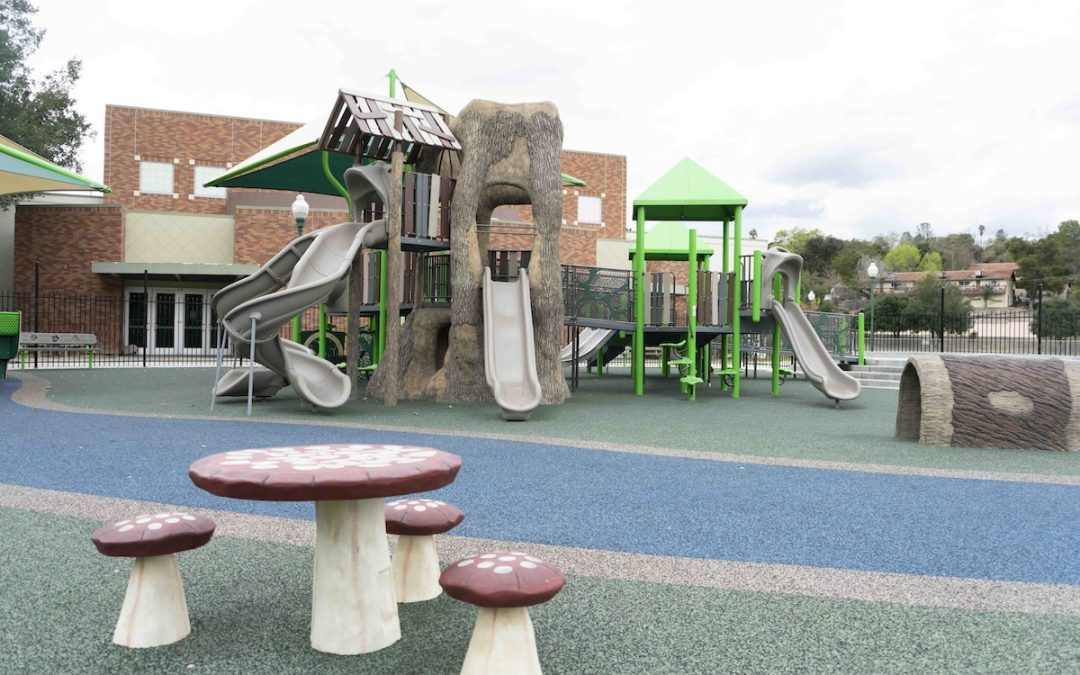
(312, 269)
(590, 342)
(509, 346)
(815, 360)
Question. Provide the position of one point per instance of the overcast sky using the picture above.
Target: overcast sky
(858, 118)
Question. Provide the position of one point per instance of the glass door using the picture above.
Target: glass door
(163, 332)
(179, 321)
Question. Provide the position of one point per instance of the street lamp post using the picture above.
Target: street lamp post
(300, 210)
(872, 272)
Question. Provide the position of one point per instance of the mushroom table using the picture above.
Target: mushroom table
(353, 607)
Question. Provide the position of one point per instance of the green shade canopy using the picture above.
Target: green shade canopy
(689, 192)
(295, 163)
(25, 171)
(670, 241)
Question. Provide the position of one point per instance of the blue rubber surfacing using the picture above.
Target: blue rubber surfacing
(580, 497)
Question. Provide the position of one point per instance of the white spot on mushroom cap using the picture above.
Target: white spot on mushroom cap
(154, 526)
(488, 555)
(172, 520)
(466, 562)
(528, 565)
(124, 528)
(507, 558)
(485, 565)
(503, 569)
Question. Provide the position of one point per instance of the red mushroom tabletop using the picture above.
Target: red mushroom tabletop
(419, 517)
(325, 472)
(159, 534)
(502, 579)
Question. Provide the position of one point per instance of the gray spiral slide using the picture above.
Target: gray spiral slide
(509, 346)
(312, 269)
(814, 359)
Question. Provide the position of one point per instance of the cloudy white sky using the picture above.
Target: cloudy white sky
(858, 118)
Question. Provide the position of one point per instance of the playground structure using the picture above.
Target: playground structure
(497, 335)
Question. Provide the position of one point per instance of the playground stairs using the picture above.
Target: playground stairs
(880, 371)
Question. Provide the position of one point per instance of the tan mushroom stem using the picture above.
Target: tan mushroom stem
(416, 569)
(502, 642)
(155, 610)
(353, 609)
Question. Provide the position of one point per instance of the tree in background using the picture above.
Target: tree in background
(903, 258)
(38, 114)
(889, 313)
(957, 250)
(931, 262)
(1060, 319)
(923, 311)
(1042, 261)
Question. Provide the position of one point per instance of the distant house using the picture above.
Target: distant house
(990, 285)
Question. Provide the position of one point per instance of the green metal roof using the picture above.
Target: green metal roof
(689, 192)
(294, 163)
(670, 241)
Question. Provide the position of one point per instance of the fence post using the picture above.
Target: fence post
(146, 315)
(37, 302)
(941, 323)
(1038, 336)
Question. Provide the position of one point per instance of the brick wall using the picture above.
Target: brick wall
(65, 240)
(260, 233)
(183, 140)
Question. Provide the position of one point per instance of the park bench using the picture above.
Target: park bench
(57, 342)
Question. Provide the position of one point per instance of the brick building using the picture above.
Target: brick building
(162, 231)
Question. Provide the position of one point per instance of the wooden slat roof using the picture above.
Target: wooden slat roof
(362, 125)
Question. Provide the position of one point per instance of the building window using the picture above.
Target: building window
(205, 174)
(588, 210)
(156, 178)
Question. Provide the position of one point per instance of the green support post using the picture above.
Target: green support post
(861, 339)
(322, 330)
(638, 350)
(691, 379)
(736, 328)
(725, 342)
(777, 293)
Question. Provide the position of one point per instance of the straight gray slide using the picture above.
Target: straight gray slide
(590, 341)
(815, 360)
(509, 346)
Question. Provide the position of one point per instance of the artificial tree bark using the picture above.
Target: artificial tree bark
(394, 267)
(510, 155)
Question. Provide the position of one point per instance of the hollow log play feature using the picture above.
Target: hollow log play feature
(990, 402)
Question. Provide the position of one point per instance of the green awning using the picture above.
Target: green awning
(24, 171)
(670, 241)
(689, 192)
(294, 163)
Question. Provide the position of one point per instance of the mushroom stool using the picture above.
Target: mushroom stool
(416, 563)
(155, 611)
(504, 585)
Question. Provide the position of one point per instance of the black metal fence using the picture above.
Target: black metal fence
(1013, 331)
